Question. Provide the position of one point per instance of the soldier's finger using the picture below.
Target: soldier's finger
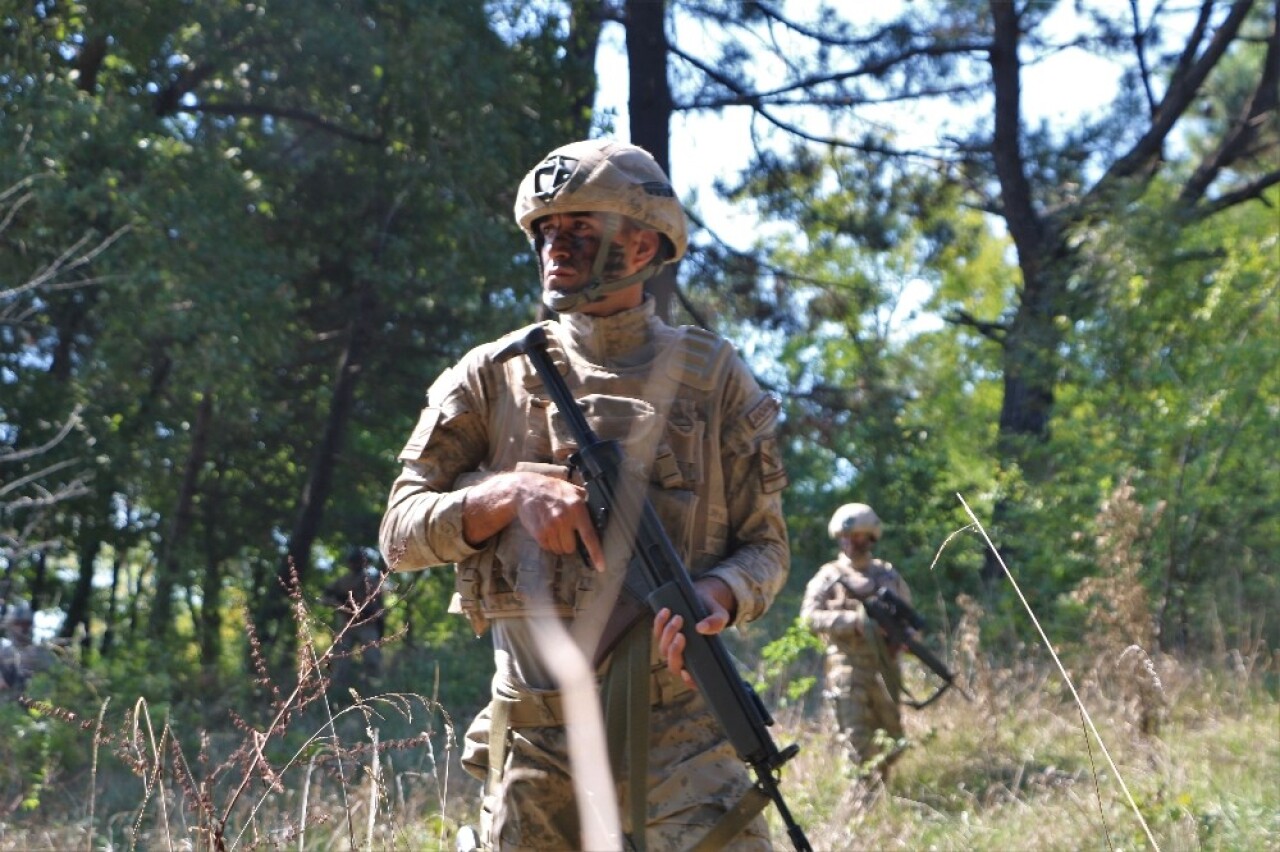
(590, 540)
(717, 621)
(660, 619)
(672, 641)
(675, 653)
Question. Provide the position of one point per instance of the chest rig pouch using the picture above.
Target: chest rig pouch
(514, 576)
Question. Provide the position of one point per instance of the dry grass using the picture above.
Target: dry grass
(1011, 771)
(1016, 770)
(1197, 745)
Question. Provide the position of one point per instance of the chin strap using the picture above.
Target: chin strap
(563, 303)
(597, 288)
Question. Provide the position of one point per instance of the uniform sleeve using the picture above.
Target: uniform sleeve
(759, 555)
(422, 525)
(826, 609)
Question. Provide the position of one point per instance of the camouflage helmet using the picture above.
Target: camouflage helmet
(853, 518)
(611, 178)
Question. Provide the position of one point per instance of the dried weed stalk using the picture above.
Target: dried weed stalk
(223, 805)
(1122, 621)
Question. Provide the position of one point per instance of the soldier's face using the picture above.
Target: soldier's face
(856, 544)
(570, 243)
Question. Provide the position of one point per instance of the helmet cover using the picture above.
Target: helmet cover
(603, 176)
(854, 518)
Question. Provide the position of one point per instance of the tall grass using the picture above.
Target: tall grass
(1010, 771)
(1196, 743)
(1014, 770)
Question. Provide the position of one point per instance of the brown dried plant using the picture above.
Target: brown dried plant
(1121, 617)
(222, 804)
(971, 664)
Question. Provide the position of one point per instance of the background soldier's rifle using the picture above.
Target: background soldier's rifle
(658, 575)
(902, 625)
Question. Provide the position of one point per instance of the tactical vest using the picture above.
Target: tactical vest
(664, 411)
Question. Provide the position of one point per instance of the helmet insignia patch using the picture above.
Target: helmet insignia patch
(658, 188)
(550, 177)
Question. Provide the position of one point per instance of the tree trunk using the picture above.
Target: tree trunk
(209, 622)
(169, 565)
(296, 566)
(650, 108)
(1029, 347)
(107, 645)
(78, 609)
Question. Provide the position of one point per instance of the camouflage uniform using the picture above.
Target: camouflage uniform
(683, 402)
(863, 679)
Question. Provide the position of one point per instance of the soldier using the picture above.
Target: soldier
(863, 679)
(486, 485)
(360, 618)
(20, 657)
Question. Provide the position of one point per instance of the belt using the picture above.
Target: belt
(546, 709)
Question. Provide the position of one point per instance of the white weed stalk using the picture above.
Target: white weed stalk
(1066, 677)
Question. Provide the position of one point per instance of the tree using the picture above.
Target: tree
(318, 205)
(1045, 186)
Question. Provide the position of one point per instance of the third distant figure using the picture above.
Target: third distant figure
(863, 678)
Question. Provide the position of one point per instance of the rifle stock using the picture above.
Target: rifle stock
(657, 575)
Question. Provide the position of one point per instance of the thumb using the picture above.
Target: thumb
(716, 621)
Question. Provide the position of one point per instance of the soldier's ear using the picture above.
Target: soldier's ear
(647, 243)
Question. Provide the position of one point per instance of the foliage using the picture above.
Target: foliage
(907, 148)
(306, 224)
(237, 241)
(288, 761)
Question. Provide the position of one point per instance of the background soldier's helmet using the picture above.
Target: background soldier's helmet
(18, 618)
(852, 518)
(603, 176)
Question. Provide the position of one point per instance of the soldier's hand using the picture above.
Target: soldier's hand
(557, 516)
(553, 511)
(718, 601)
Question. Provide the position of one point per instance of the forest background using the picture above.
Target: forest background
(238, 240)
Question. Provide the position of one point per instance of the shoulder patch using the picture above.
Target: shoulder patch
(773, 473)
(764, 412)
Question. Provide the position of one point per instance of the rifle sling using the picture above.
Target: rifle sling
(627, 702)
(733, 822)
(626, 714)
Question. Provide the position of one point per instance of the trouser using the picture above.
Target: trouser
(694, 776)
(863, 706)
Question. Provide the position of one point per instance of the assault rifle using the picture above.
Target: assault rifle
(902, 625)
(657, 574)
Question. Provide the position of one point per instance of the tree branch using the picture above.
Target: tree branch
(1237, 141)
(995, 331)
(1248, 192)
(757, 105)
(1183, 86)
